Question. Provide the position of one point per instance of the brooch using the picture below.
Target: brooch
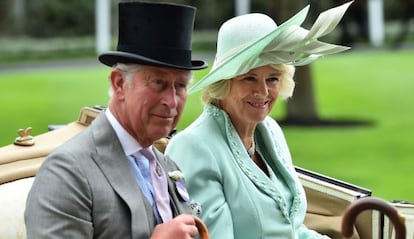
(176, 175)
(178, 178)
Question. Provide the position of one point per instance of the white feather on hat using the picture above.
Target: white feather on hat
(253, 40)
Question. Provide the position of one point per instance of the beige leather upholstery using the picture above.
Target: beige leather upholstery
(12, 201)
(326, 205)
(18, 162)
(18, 166)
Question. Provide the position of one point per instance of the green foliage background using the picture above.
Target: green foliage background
(374, 86)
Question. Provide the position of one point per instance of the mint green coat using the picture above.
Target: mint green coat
(238, 200)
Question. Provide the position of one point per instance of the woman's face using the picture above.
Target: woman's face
(252, 95)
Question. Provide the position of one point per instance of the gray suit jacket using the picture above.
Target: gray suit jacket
(86, 189)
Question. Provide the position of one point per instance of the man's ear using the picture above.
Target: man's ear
(117, 83)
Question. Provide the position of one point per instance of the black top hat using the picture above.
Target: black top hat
(156, 34)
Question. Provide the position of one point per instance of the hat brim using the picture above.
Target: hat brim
(110, 58)
(228, 68)
(288, 40)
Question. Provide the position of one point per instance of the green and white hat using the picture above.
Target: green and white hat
(253, 40)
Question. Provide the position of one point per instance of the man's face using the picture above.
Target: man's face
(152, 103)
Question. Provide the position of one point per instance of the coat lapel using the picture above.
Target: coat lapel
(116, 167)
(281, 162)
(255, 175)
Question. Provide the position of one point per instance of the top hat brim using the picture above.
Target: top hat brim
(110, 58)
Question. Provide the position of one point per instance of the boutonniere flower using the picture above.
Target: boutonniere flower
(176, 175)
(178, 178)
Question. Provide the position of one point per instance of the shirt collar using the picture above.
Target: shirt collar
(128, 143)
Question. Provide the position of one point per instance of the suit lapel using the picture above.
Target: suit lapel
(111, 158)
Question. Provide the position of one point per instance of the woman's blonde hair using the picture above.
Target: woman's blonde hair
(213, 93)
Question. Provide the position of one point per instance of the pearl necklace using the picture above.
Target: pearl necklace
(251, 150)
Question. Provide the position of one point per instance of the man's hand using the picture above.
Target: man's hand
(182, 227)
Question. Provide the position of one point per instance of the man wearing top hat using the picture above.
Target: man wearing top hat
(109, 181)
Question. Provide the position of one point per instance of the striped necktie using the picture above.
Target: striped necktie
(160, 185)
(145, 183)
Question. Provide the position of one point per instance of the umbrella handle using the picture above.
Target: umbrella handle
(362, 204)
(202, 228)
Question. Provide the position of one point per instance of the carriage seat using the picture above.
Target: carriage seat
(18, 166)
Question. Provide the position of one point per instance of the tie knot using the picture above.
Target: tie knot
(147, 153)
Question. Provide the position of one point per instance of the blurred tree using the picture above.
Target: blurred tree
(3, 16)
(60, 18)
(300, 109)
(205, 15)
(355, 18)
(18, 16)
(211, 14)
(42, 17)
(407, 14)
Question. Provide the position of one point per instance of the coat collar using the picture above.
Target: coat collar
(280, 161)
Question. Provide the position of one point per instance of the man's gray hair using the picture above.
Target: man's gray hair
(128, 72)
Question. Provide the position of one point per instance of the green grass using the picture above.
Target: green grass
(45, 97)
(374, 86)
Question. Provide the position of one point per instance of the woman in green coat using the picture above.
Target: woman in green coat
(234, 156)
